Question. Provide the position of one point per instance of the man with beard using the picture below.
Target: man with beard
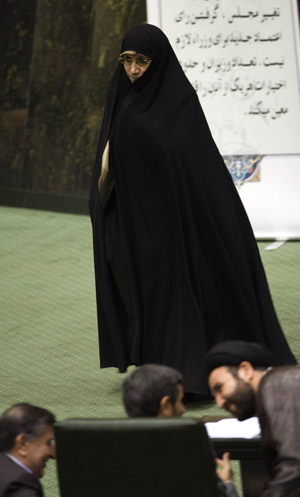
(26, 444)
(155, 390)
(244, 381)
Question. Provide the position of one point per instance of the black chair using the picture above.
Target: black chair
(140, 457)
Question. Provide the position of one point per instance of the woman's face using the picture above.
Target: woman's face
(135, 64)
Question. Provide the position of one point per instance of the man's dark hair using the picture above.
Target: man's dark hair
(23, 418)
(146, 386)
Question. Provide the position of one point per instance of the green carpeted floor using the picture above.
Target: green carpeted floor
(49, 347)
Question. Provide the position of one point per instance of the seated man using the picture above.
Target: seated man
(26, 444)
(244, 382)
(154, 390)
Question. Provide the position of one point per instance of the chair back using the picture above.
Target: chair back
(134, 457)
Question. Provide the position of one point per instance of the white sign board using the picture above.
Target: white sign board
(242, 57)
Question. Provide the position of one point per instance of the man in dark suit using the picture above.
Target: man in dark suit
(155, 390)
(26, 444)
(244, 382)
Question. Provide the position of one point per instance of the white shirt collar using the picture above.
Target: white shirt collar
(19, 463)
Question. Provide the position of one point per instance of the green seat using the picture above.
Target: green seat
(134, 457)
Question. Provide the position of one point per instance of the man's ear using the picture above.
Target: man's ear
(165, 407)
(21, 445)
(246, 371)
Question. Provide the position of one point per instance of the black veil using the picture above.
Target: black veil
(176, 262)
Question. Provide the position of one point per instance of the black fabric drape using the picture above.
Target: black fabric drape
(176, 263)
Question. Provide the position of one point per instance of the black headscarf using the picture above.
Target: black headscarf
(176, 263)
(233, 352)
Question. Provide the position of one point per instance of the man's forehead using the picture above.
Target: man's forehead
(47, 433)
(49, 430)
(218, 374)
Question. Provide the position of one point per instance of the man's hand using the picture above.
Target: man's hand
(224, 470)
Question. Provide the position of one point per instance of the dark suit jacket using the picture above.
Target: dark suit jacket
(16, 482)
(226, 489)
(278, 409)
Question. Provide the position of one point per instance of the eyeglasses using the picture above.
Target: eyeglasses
(140, 61)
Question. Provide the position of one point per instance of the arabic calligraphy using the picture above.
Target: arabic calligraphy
(259, 109)
(244, 88)
(242, 61)
(222, 64)
(230, 51)
(234, 38)
(212, 15)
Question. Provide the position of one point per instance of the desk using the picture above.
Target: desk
(249, 452)
(239, 448)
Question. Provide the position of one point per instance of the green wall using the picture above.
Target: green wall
(58, 59)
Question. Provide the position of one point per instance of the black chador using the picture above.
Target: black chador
(176, 262)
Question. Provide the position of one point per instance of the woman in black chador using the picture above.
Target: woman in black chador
(176, 263)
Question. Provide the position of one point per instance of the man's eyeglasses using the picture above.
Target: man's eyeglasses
(140, 61)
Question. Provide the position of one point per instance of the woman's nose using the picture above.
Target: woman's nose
(134, 67)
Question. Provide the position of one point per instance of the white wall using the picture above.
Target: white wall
(273, 203)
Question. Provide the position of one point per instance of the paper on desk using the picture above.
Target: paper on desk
(232, 428)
